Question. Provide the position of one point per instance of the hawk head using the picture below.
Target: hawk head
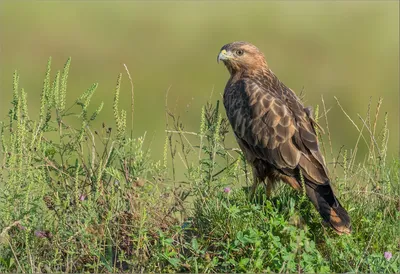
(242, 56)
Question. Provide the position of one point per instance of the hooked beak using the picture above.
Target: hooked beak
(224, 55)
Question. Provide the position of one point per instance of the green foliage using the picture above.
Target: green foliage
(87, 199)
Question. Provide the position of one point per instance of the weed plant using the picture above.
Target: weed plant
(86, 199)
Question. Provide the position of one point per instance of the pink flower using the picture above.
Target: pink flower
(82, 197)
(43, 234)
(40, 234)
(387, 255)
(227, 189)
(21, 227)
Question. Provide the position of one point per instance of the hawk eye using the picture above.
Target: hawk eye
(239, 52)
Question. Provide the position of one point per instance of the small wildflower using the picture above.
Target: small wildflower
(82, 197)
(43, 234)
(388, 255)
(21, 227)
(40, 234)
(227, 189)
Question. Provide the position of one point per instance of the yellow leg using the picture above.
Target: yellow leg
(268, 187)
(256, 181)
(254, 188)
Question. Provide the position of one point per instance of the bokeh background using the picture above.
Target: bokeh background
(332, 48)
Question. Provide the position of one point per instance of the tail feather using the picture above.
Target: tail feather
(329, 208)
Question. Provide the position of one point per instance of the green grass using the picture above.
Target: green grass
(92, 200)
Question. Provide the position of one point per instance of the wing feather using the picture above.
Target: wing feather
(275, 128)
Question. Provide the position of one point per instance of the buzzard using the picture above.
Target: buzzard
(276, 132)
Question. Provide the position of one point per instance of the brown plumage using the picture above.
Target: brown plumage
(276, 132)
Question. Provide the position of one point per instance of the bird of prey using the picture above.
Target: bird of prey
(276, 132)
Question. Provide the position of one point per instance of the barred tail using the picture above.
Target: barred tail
(328, 206)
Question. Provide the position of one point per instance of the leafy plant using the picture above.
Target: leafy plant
(77, 199)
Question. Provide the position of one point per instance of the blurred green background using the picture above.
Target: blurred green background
(345, 49)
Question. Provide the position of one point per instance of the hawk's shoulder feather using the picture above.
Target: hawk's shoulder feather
(272, 125)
